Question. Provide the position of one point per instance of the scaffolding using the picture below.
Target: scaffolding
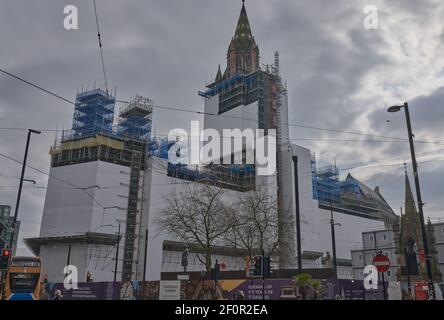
(94, 138)
(93, 113)
(244, 89)
(233, 177)
(136, 118)
(159, 147)
(349, 196)
(100, 147)
(131, 217)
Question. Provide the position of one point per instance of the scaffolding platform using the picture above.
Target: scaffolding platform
(349, 196)
(93, 113)
(136, 119)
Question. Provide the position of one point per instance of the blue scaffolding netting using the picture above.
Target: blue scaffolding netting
(136, 118)
(93, 113)
(328, 187)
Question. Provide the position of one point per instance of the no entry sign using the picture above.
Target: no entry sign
(381, 262)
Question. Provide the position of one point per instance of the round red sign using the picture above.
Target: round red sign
(381, 262)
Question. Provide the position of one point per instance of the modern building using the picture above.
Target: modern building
(374, 241)
(438, 228)
(6, 229)
(5, 212)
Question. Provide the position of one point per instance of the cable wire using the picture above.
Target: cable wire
(51, 176)
(100, 46)
(187, 110)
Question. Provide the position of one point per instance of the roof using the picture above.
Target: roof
(34, 244)
(372, 195)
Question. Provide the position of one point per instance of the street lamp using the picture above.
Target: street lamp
(17, 204)
(418, 194)
(333, 238)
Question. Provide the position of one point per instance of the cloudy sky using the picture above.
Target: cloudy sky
(340, 76)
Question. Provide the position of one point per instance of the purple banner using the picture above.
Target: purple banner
(350, 290)
(90, 291)
(275, 289)
(286, 289)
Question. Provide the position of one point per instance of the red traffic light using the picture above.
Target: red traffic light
(6, 253)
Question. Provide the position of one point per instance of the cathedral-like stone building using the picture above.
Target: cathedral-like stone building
(410, 248)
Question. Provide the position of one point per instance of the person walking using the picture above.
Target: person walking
(58, 295)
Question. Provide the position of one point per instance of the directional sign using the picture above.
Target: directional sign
(381, 262)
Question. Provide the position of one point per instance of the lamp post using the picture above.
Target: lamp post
(418, 194)
(298, 214)
(117, 255)
(333, 238)
(19, 194)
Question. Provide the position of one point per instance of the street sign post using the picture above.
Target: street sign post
(382, 264)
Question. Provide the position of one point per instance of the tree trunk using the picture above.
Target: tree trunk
(208, 262)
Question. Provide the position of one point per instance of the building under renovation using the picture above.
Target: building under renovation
(109, 179)
(95, 189)
(250, 95)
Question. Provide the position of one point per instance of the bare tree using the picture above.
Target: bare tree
(199, 217)
(257, 226)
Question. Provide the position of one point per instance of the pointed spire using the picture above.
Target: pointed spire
(218, 75)
(410, 220)
(410, 205)
(243, 53)
(243, 38)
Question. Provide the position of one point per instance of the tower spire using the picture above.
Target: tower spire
(410, 219)
(218, 75)
(243, 53)
(410, 206)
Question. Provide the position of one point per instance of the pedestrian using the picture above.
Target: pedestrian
(240, 295)
(58, 295)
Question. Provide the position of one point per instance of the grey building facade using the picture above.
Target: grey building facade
(372, 242)
(6, 230)
(438, 229)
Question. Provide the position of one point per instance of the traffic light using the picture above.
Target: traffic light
(255, 267)
(267, 267)
(256, 270)
(260, 266)
(4, 260)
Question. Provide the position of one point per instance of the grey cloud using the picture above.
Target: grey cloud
(166, 50)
